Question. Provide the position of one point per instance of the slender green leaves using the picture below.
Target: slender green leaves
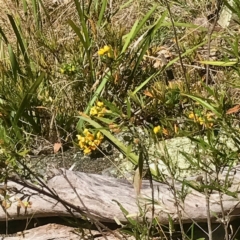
(103, 8)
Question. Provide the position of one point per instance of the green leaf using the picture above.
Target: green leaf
(126, 213)
(83, 21)
(145, 19)
(3, 36)
(185, 53)
(218, 63)
(14, 63)
(95, 97)
(203, 102)
(137, 89)
(36, 13)
(130, 37)
(103, 8)
(77, 30)
(20, 39)
(104, 120)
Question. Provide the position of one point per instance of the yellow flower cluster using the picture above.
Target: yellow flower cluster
(89, 142)
(106, 50)
(206, 122)
(98, 110)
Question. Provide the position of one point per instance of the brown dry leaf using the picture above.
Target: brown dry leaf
(137, 181)
(83, 114)
(147, 93)
(6, 204)
(165, 132)
(175, 128)
(157, 64)
(234, 109)
(56, 147)
(114, 128)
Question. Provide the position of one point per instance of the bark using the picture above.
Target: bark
(97, 197)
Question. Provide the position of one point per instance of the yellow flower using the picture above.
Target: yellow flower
(87, 150)
(102, 112)
(90, 137)
(81, 145)
(191, 115)
(97, 142)
(201, 120)
(82, 139)
(93, 147)
(99, 136)
(93, 111)
(89, 142)
(103, 50)
(209, 116)
(156, 129)
(85, 131)
(100, 104)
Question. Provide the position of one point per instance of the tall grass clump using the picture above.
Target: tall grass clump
(79, 74)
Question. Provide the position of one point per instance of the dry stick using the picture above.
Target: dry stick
(188, 89)
(50, 193)
(66, 204)
(54, 195)
(179, 207)
(145, 155)
(208, 207)
(210, 32)
(224, 219)
(97, 223)
(177, 45)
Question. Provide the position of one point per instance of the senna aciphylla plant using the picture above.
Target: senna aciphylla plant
(98, 110)
(206, 121)
(88, 141)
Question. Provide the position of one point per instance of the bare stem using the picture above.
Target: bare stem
(208, 208)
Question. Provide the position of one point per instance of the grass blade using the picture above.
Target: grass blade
(203, 102)
(20, 40)
(95, 97)
(103, 8)
(26, 99)
(14, 63)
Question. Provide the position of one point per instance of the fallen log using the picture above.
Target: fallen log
(59, 232)
(96, 196)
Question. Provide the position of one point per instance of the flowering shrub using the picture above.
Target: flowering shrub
(89, 142)
(99, 110)
(206, 121)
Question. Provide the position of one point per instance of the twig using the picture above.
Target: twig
(209, 36)
(177, 45)
(208, 207)
(95, 221)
